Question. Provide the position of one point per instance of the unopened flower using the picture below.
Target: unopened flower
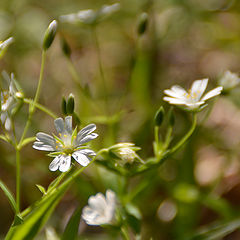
(193, 98)
(7, 101)
(229, 80)
(125, 152)
(4, 45)
(100, 209)
(89, 16)
(67, 144)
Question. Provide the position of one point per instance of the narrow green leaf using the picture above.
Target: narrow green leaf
(37, 218)
(28, 140)
(8, 195)
(71, 230)
(216, 232)
(41, 189)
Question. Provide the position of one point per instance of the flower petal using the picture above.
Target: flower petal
(86, 139)
(212, 93)
(45, 138)
(81, 158)
(174, 100)
(65, 163)
(198, 88)
(59, 125)
(42, 146)
(54, 165)
(68, 124)
(177, 89)
(86, 130)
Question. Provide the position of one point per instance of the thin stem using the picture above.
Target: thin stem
(33, 105)
(41, 107)
(100, 66)
(187, 135)
(18, 181)
(124, 233)
(168, 137)
(156, 133)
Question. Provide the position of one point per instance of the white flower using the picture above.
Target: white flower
(90, 16)
(66, 144)
(100, 209)
(125, 151)
(229, 80)
(7, 100)
(193, 98)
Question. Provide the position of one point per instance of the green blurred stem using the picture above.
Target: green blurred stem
(124, 233)
(66, 183)
(100, 66)
(168, 137)
(187, 135)
(33, 105)
(18, 181)
(41, 107)
(156, 134)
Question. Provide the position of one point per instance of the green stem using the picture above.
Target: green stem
(156, 133)
(100, 67)
(187, 135)
(124, 233)
(168, 137)
(18, 181)
(33, 105)
(41, 107)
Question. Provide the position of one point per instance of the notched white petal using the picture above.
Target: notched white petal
(68, 124)
(59, 125)
(65, 163)
(81, 158)
(54, 165)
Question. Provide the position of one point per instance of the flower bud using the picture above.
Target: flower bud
(65, 48)
(142, 23)
(64, 106)
(70, 104)
(159, 116)
(50, 35)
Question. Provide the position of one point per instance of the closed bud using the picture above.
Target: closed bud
(50, 35)
(64, 106)
(70, 104)
(171, 117)
(159, 116)
(65, 48)
(142, 23)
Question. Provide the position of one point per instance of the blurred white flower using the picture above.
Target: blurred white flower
(66, 144)
(193, 98)
(229, 80)
(100, 209)
(90, 16)
(7, 100)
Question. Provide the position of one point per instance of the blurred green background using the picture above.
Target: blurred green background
(185, 40)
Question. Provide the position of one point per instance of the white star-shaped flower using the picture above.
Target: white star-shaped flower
(100, 209)
(193, 98)
(66, 144)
